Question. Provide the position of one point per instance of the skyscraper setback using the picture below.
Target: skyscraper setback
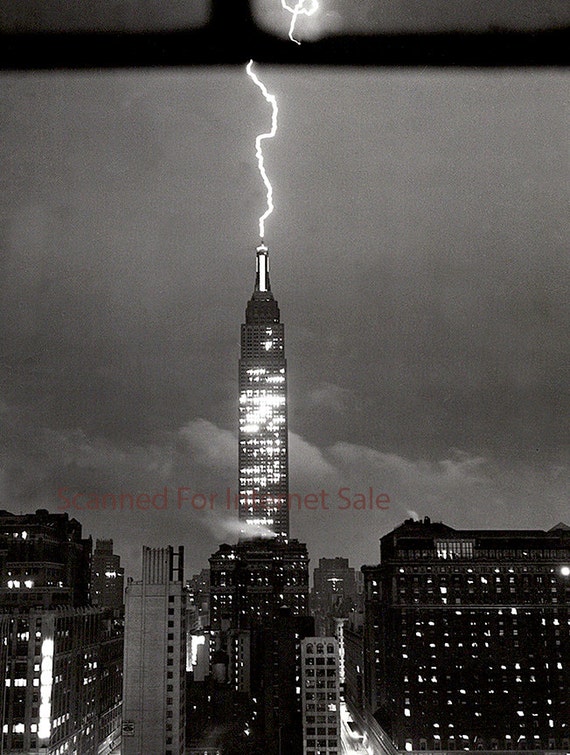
(263, 450)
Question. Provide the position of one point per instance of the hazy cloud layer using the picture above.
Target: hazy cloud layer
(343, 497)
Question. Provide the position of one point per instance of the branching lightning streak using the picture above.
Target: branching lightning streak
(299, 10)
(258, 149)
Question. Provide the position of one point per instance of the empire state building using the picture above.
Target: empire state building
(263, 450)
(252, 581)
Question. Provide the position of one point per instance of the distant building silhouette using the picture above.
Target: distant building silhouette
(199, 594)
(467, 638)
(155, 656)
(335, 593)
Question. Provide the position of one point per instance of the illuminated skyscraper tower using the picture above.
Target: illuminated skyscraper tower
(259, 587)
(263, 453)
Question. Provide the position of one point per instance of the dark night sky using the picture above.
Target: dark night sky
(419, 257)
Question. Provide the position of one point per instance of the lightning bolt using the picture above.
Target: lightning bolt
(299, 10)
(302, 8)
(258, 149)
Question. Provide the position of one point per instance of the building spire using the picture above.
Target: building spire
(262, 269)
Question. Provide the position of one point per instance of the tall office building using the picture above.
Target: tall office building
(275, 652)
(263, 450)
(155, 656)
(467, 638)
(265, 576)
(320, 696)
(252, 581)
(61, 676)
(44, 561)
(61, 660)
(354, 661)
(107, 577)
(198, 625)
